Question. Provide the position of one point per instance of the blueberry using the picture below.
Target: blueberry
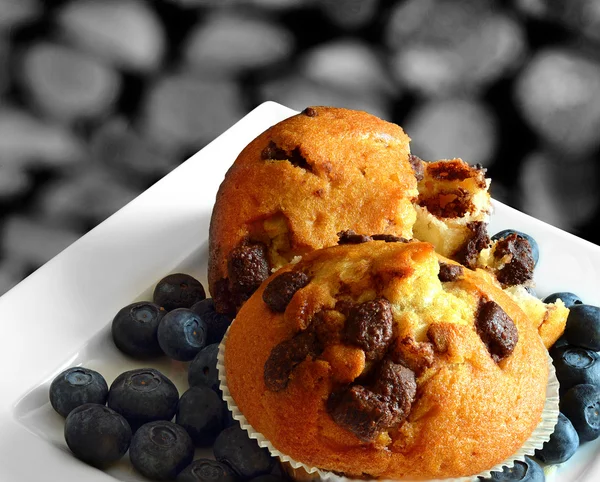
(267, 478)
(178, 291)
(581, 405)
(76, 386)
(96, 434)
(228, 419)
(575, 366)
(182, 334)
(528, 471)
(135, 327)
(583, 327)
(562, 444)
(535, 250)
(200, 412)
(142, 396)
(234, 448)
(160, 450)
(569, 299)
(560, 343)
(217, 323)
(206, 470)
(203, 369)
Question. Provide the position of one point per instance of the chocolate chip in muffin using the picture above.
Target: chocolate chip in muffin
(398, 385)
(361, 411)
(247, 268)
(454, 203)
(286, 356)
(389, 238)
(416, 355)
(310, 112)
(496, 329)
(274, 153)
(280, 290)
(519, 262)
(450, 272)
(369, 326)
(224, 299)
(350, 237)
(478, 240)
(418, 166)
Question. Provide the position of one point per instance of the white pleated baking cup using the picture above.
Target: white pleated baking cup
(540, 435)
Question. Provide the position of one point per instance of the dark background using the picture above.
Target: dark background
(100, 98)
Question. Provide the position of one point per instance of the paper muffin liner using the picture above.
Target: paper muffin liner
(540, 435)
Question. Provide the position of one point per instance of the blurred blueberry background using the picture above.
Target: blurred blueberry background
(101, 98)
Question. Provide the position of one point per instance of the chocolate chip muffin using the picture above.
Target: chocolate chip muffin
(326, 170)
(383, 359)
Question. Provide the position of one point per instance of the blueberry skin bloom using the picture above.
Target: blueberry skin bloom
(75, 387)
(581, 405)
(569, 299)
(234, 448)
(135, 329)
(200, 412)
(178, 291)
(563, 443)
(217, 323)
(206, 470)
(182, 334)
(527, 471)
(203, 369)
(142, 396)
(583, 327)
(96, 434)
(160, 450)
(575, 366)
(535, 249)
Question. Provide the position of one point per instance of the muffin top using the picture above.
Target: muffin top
(298, 184)
(386, 360)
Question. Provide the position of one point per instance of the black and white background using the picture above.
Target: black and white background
(101, 98)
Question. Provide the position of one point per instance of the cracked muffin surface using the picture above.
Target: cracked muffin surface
(387, 360)
(294, 187)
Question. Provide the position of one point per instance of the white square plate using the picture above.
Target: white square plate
(60, 315)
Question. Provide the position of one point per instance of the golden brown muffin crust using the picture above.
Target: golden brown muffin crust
(305, 179)
(470, 412)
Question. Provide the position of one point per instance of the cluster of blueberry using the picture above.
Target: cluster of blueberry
(135, 413)
(577, 366)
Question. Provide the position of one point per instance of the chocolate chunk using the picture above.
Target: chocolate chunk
(247, 268)
(310, 112)
(350, 237)
(520, 263)
(360, 411)
(224, 299)
(418, 166)
(388, 238)
(273, 153)
(369, 326)
(398, 385)
(286, 356)
(450, 272)
(279, 292)
(453, 203)
(497, 331)
(344, 307)
(479, 240)
(415, 355)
